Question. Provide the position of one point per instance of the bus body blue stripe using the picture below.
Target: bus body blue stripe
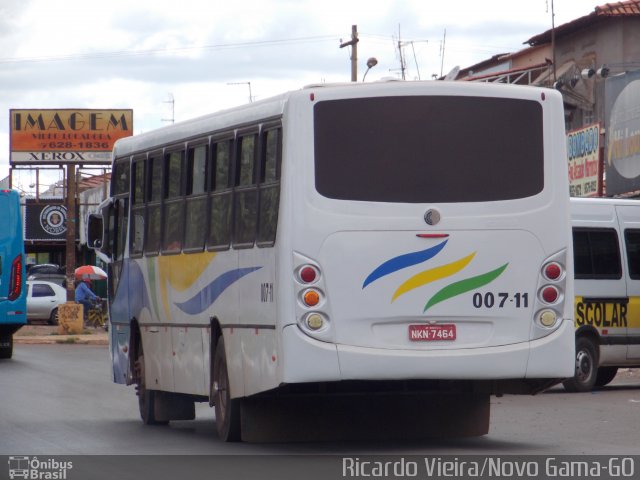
(403, 261)
(205, 298)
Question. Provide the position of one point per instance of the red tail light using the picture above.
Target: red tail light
(15, 285)
(308, 274)
(550, 294)
(552, 271)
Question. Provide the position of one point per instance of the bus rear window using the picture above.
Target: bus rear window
(428, 149)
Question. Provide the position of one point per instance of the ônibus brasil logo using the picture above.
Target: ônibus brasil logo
(37, 469)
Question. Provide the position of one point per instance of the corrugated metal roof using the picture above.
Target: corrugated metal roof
(90, 182)
(629, 8)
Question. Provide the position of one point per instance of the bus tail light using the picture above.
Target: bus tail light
(547, 318)
(308, 274)
(15, 285)
(315, 321)
(550, 294)
(550, 300)
(552, 271)
(311, 297)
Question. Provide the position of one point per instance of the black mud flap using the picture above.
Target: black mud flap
(409, 416)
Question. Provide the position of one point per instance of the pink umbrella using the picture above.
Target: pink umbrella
(90, 272)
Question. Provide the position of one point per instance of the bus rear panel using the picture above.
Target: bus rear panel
(13, 294)
(436, 223)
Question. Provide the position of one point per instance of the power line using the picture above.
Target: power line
(135, 53)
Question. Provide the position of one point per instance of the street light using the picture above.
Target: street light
(372, 62)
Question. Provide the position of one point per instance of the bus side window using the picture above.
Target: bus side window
(269, 186)
(138, 209)
(632, 240)
(196, 203)
(246, 192)
(154, 198)
(120, 177)
(173, 203)
(219, 237)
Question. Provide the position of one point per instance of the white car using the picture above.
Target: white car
(43, 299)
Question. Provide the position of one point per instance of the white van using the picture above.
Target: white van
(606, 246)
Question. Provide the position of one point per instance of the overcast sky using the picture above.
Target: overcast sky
(140, 54)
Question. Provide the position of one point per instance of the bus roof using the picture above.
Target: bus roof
(274, 107)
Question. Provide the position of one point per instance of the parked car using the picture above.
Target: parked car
(43, 299)
(49, 272)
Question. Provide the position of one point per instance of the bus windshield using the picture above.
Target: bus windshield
(423, 149)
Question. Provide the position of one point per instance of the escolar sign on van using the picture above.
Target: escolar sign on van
(599, 313)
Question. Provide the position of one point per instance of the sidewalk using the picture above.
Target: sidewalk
(48, 334)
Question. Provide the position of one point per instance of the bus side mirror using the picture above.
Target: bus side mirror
(95, 231)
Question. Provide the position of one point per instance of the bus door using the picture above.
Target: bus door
(117, 219)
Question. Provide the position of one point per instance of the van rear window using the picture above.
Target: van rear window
(423, 149)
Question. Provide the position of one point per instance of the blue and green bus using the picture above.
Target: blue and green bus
(13, 292)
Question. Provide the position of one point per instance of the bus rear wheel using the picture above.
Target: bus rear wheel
(586, 367)
(227, 409)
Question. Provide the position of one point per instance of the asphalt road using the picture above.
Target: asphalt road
(59, 400)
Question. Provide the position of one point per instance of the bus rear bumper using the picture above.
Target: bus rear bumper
(309, 360)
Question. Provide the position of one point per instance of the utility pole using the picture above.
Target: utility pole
(353, 43)
(244, 83)
(403, 65)
(71, 231)
(173, 109)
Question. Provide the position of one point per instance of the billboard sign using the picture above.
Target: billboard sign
(583, 150)
(622, 152)
(57, 136)
(45, 221)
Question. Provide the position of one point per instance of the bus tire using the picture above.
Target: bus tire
(146, 398)
(227, 409)
(586, 367)
(6, 346)
(605, 375)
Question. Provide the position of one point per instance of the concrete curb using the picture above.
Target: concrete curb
(98, 339)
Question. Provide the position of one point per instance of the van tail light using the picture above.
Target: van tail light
(15, 284)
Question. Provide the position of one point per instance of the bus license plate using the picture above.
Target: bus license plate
(430, 333)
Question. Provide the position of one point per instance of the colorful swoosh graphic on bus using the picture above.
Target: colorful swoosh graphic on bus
(205, 297)
(464, 286)
(403, 261)
(179, 272)
(432, 275)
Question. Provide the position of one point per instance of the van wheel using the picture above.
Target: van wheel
(605, 375)
(227, 409)
(586, 367)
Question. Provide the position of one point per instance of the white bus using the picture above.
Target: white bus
(396, 237)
